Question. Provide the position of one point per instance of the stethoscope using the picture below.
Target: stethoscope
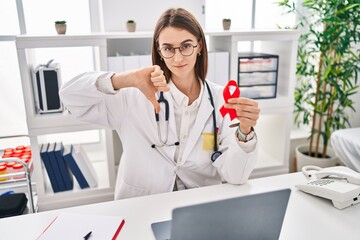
(163, 142)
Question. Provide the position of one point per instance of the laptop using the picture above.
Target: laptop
(257, 216)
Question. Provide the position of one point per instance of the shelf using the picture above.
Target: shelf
(102, 180)
(98, 149)
(273, 127)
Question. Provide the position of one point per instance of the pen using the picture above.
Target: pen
(86, 237)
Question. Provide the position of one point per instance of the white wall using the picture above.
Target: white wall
(145, 13)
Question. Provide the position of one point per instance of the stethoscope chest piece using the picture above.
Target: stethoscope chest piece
(215, 155)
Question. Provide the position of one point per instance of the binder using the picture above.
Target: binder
(85, 165)
(55, 166)
(73, 166)
(48, 167)
(64, 170)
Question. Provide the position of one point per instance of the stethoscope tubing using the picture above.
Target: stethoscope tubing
(158, 147)
(162, 99)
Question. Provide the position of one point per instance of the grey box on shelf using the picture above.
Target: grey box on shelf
(257, 74)
(46, 85)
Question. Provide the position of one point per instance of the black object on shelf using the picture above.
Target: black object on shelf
(46, 84)
(258, 74)
(12, 204)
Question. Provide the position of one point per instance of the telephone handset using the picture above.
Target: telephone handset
(339, 184)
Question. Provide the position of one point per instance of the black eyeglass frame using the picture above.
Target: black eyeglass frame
(193, 47)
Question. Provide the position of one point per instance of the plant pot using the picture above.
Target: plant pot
(226, 25)
(60, 28)
(302, 159)
(131, 27)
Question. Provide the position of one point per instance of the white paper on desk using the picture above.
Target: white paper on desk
(73, 226)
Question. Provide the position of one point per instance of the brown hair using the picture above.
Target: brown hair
(180, 18)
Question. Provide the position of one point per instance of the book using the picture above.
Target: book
(48, 167)
(75, 169)
(84, 163)
(73, 226)
(55, 166)
(64, 170)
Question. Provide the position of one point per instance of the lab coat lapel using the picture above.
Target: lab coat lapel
(205, 110)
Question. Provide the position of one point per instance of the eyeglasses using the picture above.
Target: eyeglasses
(186, 50)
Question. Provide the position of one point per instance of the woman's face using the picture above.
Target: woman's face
(180, 66)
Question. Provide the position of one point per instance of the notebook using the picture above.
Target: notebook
(258, 216)
(74, 226)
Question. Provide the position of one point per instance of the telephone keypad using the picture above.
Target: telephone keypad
(321, 182)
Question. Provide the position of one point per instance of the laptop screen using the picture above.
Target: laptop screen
(257, 216)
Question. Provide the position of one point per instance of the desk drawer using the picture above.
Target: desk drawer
(258, 92)
(257, 78)
(258, 64)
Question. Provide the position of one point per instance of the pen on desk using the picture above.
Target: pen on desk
(86, 237)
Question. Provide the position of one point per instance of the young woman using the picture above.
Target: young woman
(195, 145)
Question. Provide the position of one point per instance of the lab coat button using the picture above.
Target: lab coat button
(176, 168)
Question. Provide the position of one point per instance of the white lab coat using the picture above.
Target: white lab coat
(144, 170)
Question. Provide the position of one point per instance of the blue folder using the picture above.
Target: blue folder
(64, 170)
(75, 169)
(55, 166)
(48, 167)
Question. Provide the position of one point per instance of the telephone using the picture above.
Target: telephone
(339, 184)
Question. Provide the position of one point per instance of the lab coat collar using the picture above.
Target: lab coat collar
(180, 98)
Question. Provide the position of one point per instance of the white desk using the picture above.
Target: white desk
(307, 217)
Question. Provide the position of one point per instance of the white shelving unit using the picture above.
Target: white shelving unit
(274, 125)
(55, 125)
(273, 128)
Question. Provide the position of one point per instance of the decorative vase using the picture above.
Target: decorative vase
(60, 28)
(303, 159)
(131, 27)
(226, 24)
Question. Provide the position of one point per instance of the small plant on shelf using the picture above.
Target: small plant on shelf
(131, 26)
(60, 27)
(60, 22)
(226, 23)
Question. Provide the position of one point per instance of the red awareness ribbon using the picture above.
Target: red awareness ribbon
(227, 95)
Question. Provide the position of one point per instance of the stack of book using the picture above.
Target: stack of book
(63, 163)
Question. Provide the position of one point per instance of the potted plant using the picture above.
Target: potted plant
(131, 26)
(327, 71)
(226, 23)
(60, 27)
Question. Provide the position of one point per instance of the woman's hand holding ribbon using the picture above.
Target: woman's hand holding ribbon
(244, 109)
(247, 112)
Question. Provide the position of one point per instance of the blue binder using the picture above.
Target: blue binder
(75, 169)
(55, 166)
(48, 167)
(64, 170)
